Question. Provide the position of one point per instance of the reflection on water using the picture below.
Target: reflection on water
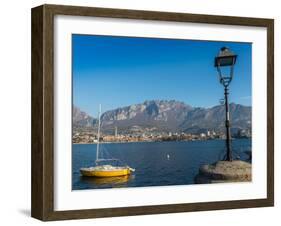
(156, 163)
(107, 181)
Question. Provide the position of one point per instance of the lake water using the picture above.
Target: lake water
(156, 163)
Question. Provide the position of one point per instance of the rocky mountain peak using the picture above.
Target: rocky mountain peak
(167, 115)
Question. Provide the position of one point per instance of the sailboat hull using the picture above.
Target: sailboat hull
(93, 172)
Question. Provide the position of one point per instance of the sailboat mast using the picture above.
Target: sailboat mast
(98, 143)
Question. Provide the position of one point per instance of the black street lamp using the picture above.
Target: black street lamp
(226, 60)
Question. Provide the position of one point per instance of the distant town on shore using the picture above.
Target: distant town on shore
(90, 137)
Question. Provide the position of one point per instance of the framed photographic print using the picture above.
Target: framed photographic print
(141, 112)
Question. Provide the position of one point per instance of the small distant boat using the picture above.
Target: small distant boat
(105, 170)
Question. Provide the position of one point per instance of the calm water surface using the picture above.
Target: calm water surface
(151, 161)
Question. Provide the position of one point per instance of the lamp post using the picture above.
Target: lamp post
(226, 60)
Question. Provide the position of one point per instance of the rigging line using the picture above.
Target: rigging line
(97, 154)
(113, 157)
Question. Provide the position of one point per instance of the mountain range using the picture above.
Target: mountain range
(165, 116)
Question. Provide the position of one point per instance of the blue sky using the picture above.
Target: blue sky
(120, 71)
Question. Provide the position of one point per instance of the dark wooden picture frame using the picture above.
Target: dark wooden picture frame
(42, 203)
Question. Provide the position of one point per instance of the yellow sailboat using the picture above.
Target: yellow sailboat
(105, 170)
